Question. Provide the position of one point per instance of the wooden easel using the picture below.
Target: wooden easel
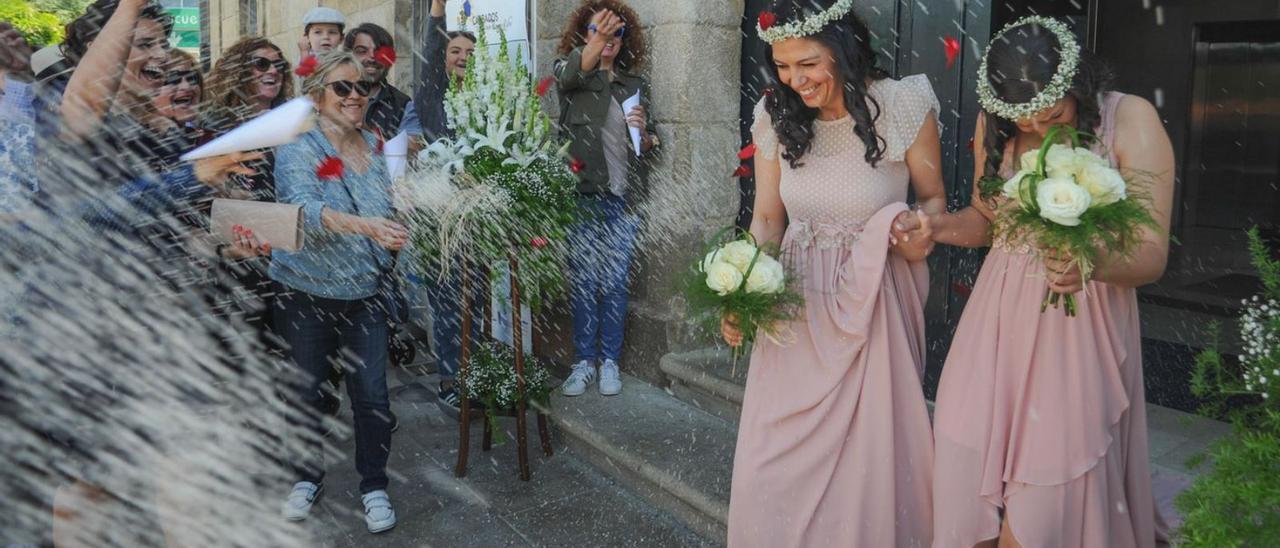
(517, 337)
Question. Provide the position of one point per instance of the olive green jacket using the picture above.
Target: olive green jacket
(584, 104)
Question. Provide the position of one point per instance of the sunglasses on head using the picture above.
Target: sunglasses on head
(262, 64)
(175, 77)
(344, 88)
(616, 34)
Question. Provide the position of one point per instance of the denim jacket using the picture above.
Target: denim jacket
(331, 265)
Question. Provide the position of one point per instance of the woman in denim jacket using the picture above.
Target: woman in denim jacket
(327, 307)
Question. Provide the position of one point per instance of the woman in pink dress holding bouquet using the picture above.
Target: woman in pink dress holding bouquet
(1040, 426)
(834, 447)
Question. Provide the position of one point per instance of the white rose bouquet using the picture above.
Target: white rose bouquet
(1067, 199)
(738, 278)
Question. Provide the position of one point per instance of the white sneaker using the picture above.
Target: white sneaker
(304, 495)
(583, 375)
(378, 513)
(610, 379)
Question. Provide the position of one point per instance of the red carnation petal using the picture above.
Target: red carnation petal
(767, 19)
(962, 289)
(952, 48)
(742, 171)
(330, 168)
(544, 85)
(307, 66)
(385, 56)
(747, 152)
(577, 166)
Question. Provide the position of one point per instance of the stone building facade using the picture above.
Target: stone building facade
(694, 51)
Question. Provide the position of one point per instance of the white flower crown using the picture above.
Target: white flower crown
(805, 27)
(1068, 63)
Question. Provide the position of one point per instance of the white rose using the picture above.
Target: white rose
(1062, 201)
(1060, 162)
(766, 277)
(723, 278)
(738, 253)
(1104, 184)
(1012, 188)
(1086, 157)
(711, 258)
(1029, 160)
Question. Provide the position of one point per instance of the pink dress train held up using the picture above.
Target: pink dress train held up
(1043, 415)
(834, 447)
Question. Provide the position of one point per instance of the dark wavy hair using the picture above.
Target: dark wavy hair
(849, 41)
(85, 29)
(632, 56)
(1023, 62)
(463, 33)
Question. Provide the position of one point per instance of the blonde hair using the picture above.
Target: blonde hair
(326, 63)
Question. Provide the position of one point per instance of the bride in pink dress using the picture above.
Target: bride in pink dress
(834, 447)
(1040, 425)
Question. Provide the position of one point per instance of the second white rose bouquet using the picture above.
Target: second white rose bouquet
(1067, 199)
(739, 279)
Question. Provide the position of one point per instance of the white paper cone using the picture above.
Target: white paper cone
(278, 126)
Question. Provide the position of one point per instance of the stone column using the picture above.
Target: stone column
(694, 65)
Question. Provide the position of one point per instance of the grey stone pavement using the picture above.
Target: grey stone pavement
(566, 503)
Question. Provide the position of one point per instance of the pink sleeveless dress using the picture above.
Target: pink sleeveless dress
(834, 447)
(1043, 415)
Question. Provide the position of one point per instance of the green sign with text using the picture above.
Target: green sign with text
(186, 27)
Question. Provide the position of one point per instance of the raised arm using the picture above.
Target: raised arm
(96, 78)
(433, 76)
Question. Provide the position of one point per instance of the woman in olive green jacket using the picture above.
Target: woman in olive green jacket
(602, 48)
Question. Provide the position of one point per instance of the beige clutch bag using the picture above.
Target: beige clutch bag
(277, 224)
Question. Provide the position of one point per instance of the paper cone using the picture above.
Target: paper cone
(273, 128)
(277, 224)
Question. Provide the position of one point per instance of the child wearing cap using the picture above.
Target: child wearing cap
(322, 30)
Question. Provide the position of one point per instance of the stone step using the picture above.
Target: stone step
(673, 454)
(709, 379)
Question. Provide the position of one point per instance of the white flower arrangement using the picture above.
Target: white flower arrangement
(491, 379)
(1260, 335)
(804, 27)
(500, 188)
(496, 108)
(1059, 85)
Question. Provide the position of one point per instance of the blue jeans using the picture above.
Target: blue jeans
(323, 332)
(446, 319)
(601, 247)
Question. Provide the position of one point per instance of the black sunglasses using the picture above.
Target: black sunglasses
(262, 64)
(175, 77)
(344, 88)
